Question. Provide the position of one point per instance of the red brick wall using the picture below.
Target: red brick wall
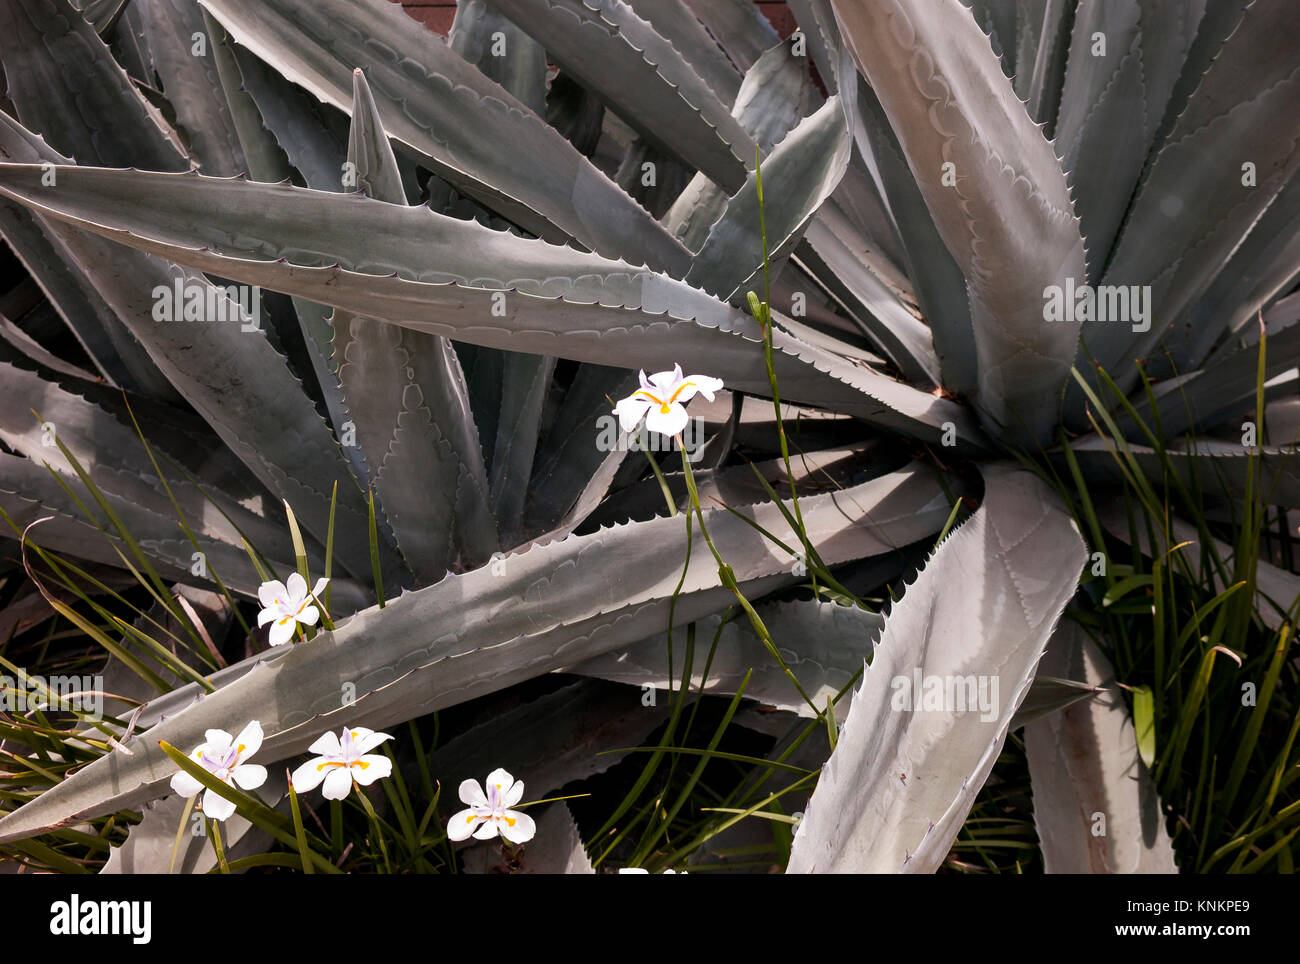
(437, 14)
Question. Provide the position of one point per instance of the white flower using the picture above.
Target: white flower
(341, 759)
(490, 813)
(223, 757)
(286, 606)
(661, 400)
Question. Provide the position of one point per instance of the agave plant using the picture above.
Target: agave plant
(903, 226)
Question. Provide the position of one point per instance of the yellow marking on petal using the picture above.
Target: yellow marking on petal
(679, 389)
(361, 763)
(510, 821)
(654, 398)
(471, 818)
(329, 763)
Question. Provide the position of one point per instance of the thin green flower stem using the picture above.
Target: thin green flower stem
(663, 482)
(214, 834)
(374, 822)
(180, 832)
(766, 322)
(728, 577)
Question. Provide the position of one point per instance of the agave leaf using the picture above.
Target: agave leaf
(817, 471)
(939, 283)
(116, 461)
(262, 153)
(554, 740)
(520, 67)
(77, 302)
(824, 644)
(452, 118)
(998, 20)
(1048, 695)
(1049, 46)
(799, 175)
(38, 243)
(28, 492)
(1007, 220)
(405, 393)
(550, 606)
(1218, 20)
(835, 252)
(1209, 467)
(315, 145)
(311, 136)
(1111, 105)
(739, 28)
(1193, 399)
(1084, 766)
(816, 20)
(235, 379)
(25, 345)
(1193, 210)
(100, 14)
(66, 85)
(342, 250)
(900, 782)
(149, 844)
(1267, 264)
(569, 456)
(556, 848)
(637, 73)
(674, 21)
(775, 95)
(192, 85)
(523, 379)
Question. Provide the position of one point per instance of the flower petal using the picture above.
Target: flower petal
(250, 738)
(472, 793)
(513, 794)
(268, 616)
(249, 776)
(281, 631)
(363, 740)
(486, 830)
(706, 385)
(376, 768)
(338, 783)
(309, 615)
(272, 594)
(297, 587)
(319, 588)
(461, 825)
(327, 744)
(521, 830)
(217, 807)
(667, 423)
(667, 381)
(500, 779)
(218, 740)
(309, 776)
(185, 785)
(630, 411)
